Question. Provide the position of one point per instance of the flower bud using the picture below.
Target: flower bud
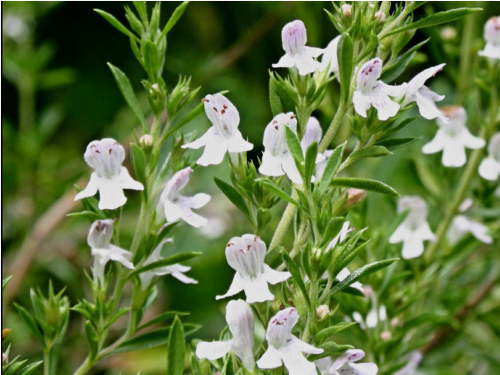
(386, 335)
(448, 33)
(146, 140)
(317, 253)
(354, 196)
(379, 16)
(6, 332)
(322, 311)
(492, 30)
(394, 322)
(155, 89)
(294, 37)
(367, 291)
(346, 10)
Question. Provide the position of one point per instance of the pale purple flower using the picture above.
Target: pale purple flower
(344, 364)
(453, 137)
(176, 270)
(414, 230)
(490, 166)
(372, 92)
(294, 38)
(224, 135)
(109, 177)
(277, 159)
(492, 37)
(330, 59)
(283, 347)
(313, 133)
(99, 240)
(246, 256)
(175, 207)
(416, 91)
(240, 321)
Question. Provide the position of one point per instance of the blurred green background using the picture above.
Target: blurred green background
(58, 95)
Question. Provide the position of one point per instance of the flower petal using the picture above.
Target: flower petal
(274, 277)
(257, 290)
(428, 109)
(214, 152)
(270, 359)
(193, 219)
(384, 105)
(110, 194)
(437, 144)
(213, 350)
(471, 141)
(118, 254)
(183, 278)
(413, 247)
(237, 286)
(91, 188)
(454, 154)
(238, 144)
(296, 363)
(419, 80)
(200, 142)
(271, 165)
(360, 369)
(362, 103)
(286, 61)
(199, 200)
(173, 212)
(489, 169)
(299, 345)
(291, 170)
(127, 182)
(400, 234)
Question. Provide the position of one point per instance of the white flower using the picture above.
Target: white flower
(312, 134)
(174, 206)
(372, 92)
(330, 57)
(285, 347)
(453, 137)
(239, 318)
(416, 91)
(414, 359)
(110, 177)
(224, 135)
(277, 159)
(294, 38)
(344, 365)
(375, 315)
(99, 239)
(341, 236)
(246, 256)
(461, 225)
(490, 167)
(176, 270)
(414, 230)
(492, 37)
(15, 27)
(343, 274)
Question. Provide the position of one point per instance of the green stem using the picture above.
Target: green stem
(284, 223)
(334, 127)
(26, 104)
(46, 361)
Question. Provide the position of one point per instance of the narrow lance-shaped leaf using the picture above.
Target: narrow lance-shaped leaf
(117, 24)
(178, 12)
(176, 349)
(369, 152)
(324, 333)
(274, 98)
(295, 149)
(331, 168)
(361, 273)
(399, 65)
(396, 143)
(278, 192)
(365, 184)
(234, 196)
(345, 53)
(129, 95)
(437, 19)
(138, 160)
(294, 270)
(173, 259)
(310, 163)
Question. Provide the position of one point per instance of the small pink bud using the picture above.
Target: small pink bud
(354, 196)
(379, 16)
(492, 30)
(346, 10)
(386, 335)
(146, 140)
(322, 311)
(394, 322)
(448, 33)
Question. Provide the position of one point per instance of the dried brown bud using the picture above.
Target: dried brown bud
(6, 332)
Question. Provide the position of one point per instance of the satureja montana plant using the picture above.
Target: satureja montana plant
(300, 284)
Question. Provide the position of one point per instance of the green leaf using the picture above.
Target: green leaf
(345, 52)
(295, 271)
(173, 20)
(369, 152)
(151, 60)
(5, 282)
(93, 216)
(195, 365)
(330, 349)
(324, 333)
(30, 368)
(399, 65)
(234, 196)
(295, 149)
(361, 273)
(396, 143)
(129, 95)
(117, 24)
(191, 116)
(331, 168)
(176, 349)
(163, 317)
(30, 322)
(168, 261)
(274, 98)
(278, 192)
(310, 163)
(92, 339)
(436, 19)
(152, 339)
(138, 161)
(365, 184)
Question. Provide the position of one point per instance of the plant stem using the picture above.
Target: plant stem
(285, 221)
(46, 361)
(334, 127)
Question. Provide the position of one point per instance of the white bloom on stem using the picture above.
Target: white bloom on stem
(462, 225)
(239, 318)
(294, 38)
(414, 359)
(246, 256)
(313, 133)
(330, 59)
(375, 315)
(344, 364)
(453, 137)
(416, 91)
(174, 206)
(224, 135)
(176, 270)
(414, 230)
(490, 166)
(109, 177)
(372, 92)
(277, 159)
(492, 37)
(283, 347)
(99, 240)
